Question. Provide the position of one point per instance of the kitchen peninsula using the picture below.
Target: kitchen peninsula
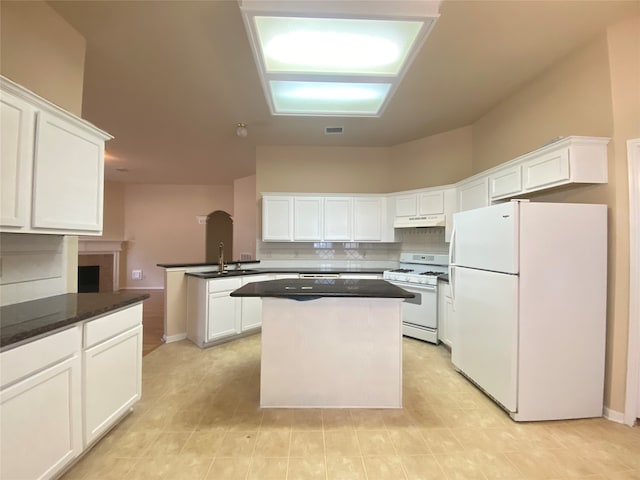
(334, 343)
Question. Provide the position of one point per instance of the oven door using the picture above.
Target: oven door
(422, 310)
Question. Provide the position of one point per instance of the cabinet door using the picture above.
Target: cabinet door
(307, 218)
(338, 215)
(17, 121)
(112, 381)
(548, 169)
(252, 306)
(431, 203)
(406, 205)
(41, 422)
(506, 182)
(223, 318)
(445, 306)
(473, 195)
(367, 219)
(68, 177)
(277, 218)
(449, 319)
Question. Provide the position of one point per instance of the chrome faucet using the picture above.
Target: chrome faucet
(221, 257)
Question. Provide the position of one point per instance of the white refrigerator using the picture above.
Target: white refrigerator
(529, 290)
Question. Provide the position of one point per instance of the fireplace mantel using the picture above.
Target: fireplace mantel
(88, 246)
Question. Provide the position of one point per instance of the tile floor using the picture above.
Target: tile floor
(199, 419)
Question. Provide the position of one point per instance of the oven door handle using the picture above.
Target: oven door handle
(415, 286)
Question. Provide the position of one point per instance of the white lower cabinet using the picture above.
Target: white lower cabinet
(57, 397)
(222, 318)
(445, 314)
(112, 377)
(40, 407)
(212, 314)
(252, 306)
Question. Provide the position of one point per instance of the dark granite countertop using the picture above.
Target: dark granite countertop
(256, 271)
(306, 289)
(205, 264)
(28, 320)
(444, 277)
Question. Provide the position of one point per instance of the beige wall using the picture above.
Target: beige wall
(113, 214)
(322, 169)
(431, 161)
(160, 226)
(42, 52)
(573, 98)
(244, 216)
(594, 91)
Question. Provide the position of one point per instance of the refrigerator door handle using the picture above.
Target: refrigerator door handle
(452, 244)
(451, 265)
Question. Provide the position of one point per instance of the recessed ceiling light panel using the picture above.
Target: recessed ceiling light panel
(333, 45)
(342, 58)
(328, 98)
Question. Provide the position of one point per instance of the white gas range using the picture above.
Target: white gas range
(418, 274)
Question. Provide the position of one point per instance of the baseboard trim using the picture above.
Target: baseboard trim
(174, 338)
(141, 288)
(614, 416)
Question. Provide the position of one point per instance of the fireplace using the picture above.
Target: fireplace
(95, 273)
(104, 257)
(88, 278)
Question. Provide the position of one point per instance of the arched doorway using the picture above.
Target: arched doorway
(219, 230)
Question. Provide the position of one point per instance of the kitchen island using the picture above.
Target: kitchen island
(331, 343)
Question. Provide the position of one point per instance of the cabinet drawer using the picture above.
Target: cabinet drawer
(27, 359)
(506, 182)
(224, 284)
(103, 328)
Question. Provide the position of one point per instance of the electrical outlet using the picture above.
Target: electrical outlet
(136, 274)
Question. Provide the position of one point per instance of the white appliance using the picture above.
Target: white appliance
(418, 274)
(529, 290)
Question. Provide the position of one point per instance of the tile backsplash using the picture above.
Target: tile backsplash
(32, 266)
(429, 240)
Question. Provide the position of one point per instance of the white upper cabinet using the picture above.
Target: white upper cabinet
(338, 219)
(406, 205)
(307, 218)
(505, 182)
(473, 194)
(17, 122)
(367, 219)
(570, 160)
(53, 180)
(68, 176)
(310, 218)
(431, 203)
(277, 218)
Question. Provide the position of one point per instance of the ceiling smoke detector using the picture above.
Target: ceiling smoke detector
(333, 130)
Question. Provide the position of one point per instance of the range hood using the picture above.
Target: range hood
(420, 221)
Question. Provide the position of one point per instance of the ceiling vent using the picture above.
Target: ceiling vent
(333, 130)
